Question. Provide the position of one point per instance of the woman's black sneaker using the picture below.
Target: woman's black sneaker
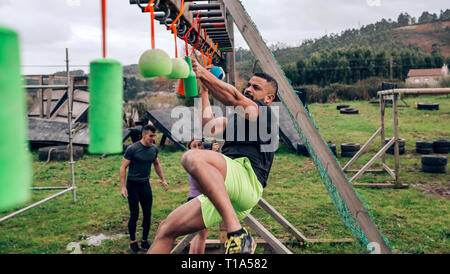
(145, 245)
(135, 247)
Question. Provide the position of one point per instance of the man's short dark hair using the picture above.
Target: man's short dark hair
(149, 128)
(269, 79)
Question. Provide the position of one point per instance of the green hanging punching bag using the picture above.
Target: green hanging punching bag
(15, 160)
(105, 107)
(190, 83)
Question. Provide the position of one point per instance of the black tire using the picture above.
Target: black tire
(434, 169)
(60, 153)
(424, 144)
(333, 148)
(350, 147)
(349, 111)
(338, 107)
(349, 154)
(391, 150)
(441, 146)
(401, 142)
(434, 160)
(424, 150)
(443, 150)
(428, 106)
(302, 150)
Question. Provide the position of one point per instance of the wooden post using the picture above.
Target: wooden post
(41, 97)
(382, 109)
(396, 148)
(48, 95)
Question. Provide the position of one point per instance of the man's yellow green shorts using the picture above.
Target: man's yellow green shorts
(242, 187)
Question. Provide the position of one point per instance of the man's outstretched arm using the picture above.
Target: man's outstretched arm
(224, 92)
(210, 125)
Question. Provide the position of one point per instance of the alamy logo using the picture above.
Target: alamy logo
(240, 127)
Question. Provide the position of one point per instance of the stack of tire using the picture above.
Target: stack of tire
(428, 106)
(434, 164)
(60, 153)
(346, 109)
(424, 147)
(441, 146)
(401, 146)
(349, 149)
(339, 107)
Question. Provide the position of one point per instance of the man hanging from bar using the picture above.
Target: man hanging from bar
(232, 183)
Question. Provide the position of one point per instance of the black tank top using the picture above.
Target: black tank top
(257, 142)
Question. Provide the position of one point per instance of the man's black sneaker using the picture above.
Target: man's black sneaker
(145, 245)
(135, 247)
(240, 244)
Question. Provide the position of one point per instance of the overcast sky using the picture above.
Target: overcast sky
(47, 27)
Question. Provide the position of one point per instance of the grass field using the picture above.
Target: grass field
(414, 220)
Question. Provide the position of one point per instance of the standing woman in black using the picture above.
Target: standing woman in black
(139, 157)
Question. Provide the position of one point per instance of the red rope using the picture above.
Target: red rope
(151, 9)
(174, 28)
(185, 36)
(104, 26)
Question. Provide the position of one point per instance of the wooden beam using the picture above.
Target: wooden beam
(281, 220)
(269, 65)
(385, 167)
(277, 246)
(363, 149)
(382, 185)
(374, 158)
(341, 240)
(367, 171)
(183, 243)
(431, 91)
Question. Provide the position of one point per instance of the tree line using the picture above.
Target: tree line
(352, 64)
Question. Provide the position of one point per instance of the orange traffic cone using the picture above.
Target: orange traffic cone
(415, 104)
(180, 89)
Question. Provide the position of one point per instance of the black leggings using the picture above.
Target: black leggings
(139, 192)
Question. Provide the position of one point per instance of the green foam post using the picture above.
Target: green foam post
(180, 69)
(154, 63)
(105, 107)
(15, 160)
(190, 83)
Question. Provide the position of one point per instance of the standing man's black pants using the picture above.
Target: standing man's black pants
(139, 192)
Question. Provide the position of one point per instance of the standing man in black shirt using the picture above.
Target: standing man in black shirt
(139, 158)
(232, 183)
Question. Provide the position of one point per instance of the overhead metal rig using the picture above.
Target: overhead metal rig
(214, 27)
